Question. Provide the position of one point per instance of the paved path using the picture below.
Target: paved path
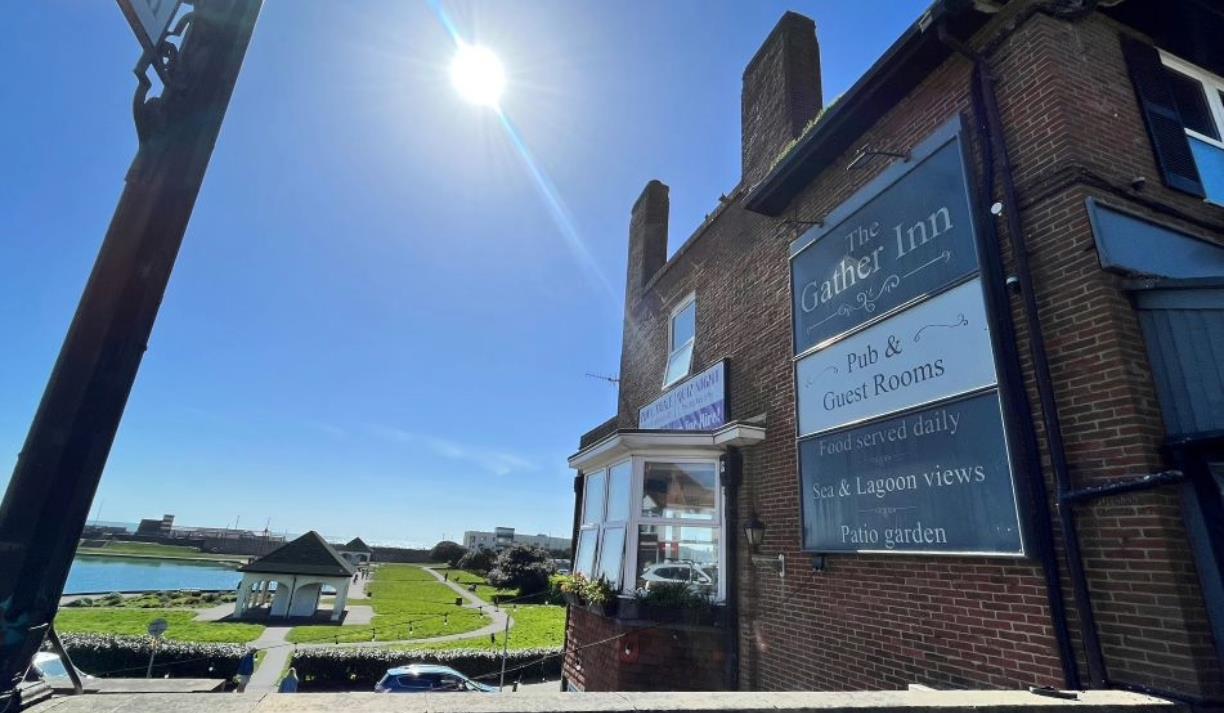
(277, 652)
(356, 614)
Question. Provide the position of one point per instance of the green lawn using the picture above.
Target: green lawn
(153, 549)
(536, 626)
(135, 622)
(484, 590)
(156, 600)
(408, 604)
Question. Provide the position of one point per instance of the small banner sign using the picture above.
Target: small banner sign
(698, 403)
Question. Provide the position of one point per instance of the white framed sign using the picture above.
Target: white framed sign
(934, 350)
(699, 403)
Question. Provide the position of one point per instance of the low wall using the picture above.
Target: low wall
(401, 555)
(522, 702)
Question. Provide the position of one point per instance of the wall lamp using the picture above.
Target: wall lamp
(754, 532)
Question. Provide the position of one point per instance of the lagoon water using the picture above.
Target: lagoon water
(118, 574)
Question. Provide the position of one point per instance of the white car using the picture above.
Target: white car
(678, 572)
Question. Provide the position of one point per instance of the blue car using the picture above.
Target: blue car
(428, 678)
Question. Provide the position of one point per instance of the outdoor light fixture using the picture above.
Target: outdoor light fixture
(754, 532)
(478, 75)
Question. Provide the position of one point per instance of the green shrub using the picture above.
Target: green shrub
(448, 552)
(588, 591)
(478, 560)
(521, 567)
(128, 656)
(352, 669)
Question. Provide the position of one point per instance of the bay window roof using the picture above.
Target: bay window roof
(623, 442)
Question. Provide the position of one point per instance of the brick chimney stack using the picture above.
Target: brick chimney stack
(781, 93)
(647, 238)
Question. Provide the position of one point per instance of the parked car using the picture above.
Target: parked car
(695, 575)
(428, 678)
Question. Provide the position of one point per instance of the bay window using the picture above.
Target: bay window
(673, 534)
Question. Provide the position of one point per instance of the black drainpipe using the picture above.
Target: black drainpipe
(579, 483)
(994, 146)
(732, 465)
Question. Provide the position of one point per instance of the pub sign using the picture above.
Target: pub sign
(902, 443)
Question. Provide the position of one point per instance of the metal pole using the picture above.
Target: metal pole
(57, 472)
(501, 683)
(152, 653)
(73, 675)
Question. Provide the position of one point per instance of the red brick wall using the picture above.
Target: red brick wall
(878, 621)
(604, 654)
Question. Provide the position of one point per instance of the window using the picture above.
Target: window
(672, 534)
(681, 335)
(679, 491)
(1199, 96)
(679, 525)
(605, 513)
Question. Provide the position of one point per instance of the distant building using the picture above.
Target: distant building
(155, 527)
(288, 581)
(505, 536)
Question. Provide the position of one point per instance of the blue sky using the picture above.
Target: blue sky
(376, 325)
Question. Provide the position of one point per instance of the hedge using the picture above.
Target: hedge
(348, 669)
(105, 656)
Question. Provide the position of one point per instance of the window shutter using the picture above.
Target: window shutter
(1163, 121)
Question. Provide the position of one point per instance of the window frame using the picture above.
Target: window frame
(603, 524)
(637, 519)
(1213, 91)
(689, 300)
(1213, 88)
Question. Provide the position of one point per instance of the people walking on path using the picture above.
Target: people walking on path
(246, 667)
(289, 684)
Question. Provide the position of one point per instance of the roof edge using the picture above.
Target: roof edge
(842, 122)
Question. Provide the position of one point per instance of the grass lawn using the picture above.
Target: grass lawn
(153, 549)
(484, 590)
(536, 626)
(135, 622)
(408, 604)
(159, 600)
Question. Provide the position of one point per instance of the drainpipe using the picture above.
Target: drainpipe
(579, 483)
(994, 146)
(732, 466)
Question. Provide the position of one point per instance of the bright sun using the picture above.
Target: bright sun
(478, 75)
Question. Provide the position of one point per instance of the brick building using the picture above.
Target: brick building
(1010, 229)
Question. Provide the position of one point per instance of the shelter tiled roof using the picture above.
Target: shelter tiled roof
(308, 554)
(356, 545)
